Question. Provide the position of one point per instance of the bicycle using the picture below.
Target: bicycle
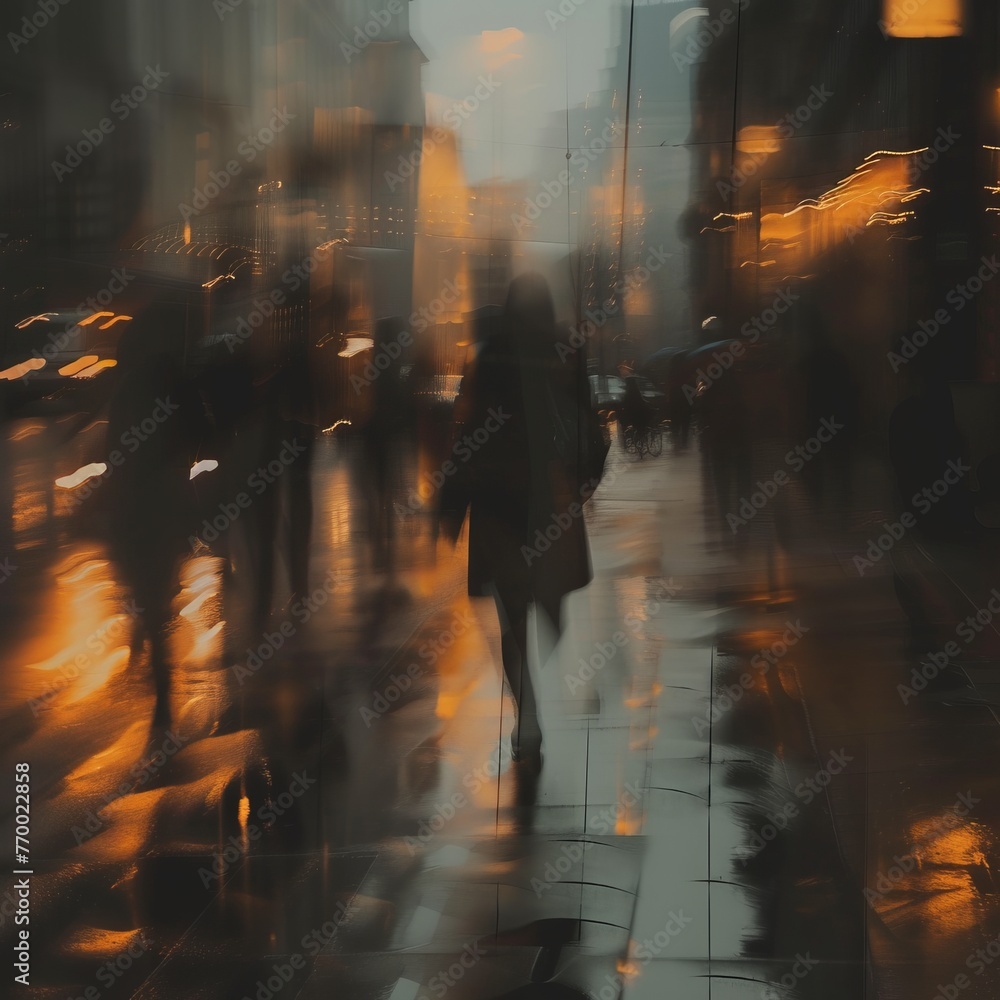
(642, 440)
(640, 427)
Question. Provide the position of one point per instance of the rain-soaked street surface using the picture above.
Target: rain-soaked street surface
(734, 801)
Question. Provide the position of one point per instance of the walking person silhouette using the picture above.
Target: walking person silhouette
(524, 429)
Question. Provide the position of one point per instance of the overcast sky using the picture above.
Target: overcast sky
(537, 64)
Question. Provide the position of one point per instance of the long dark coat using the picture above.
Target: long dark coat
(523, 418)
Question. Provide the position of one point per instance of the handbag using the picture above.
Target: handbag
(578, 439)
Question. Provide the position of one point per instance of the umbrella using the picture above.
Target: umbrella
(663, 354)
(658, 365)
(704, 353)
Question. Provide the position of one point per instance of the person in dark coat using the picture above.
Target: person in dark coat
(680, 404)
(282, 516)
(385, 438)
(523, 420)
(149, 494)
(830, 391)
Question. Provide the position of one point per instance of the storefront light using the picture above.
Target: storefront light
(922, 18)
(758, 139)
(356, 344)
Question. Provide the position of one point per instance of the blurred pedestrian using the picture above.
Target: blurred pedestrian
(523, 432)
(150, 494)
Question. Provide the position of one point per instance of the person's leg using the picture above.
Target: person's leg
(154, 598)
(300, 512)
(160, 663)
(548, 623)
(262, 524)
(551, 604)
(147, 565)
(512, 609)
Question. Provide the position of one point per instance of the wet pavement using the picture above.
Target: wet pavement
(736, 800)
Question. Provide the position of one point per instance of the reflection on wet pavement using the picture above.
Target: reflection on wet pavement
(338, 806)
